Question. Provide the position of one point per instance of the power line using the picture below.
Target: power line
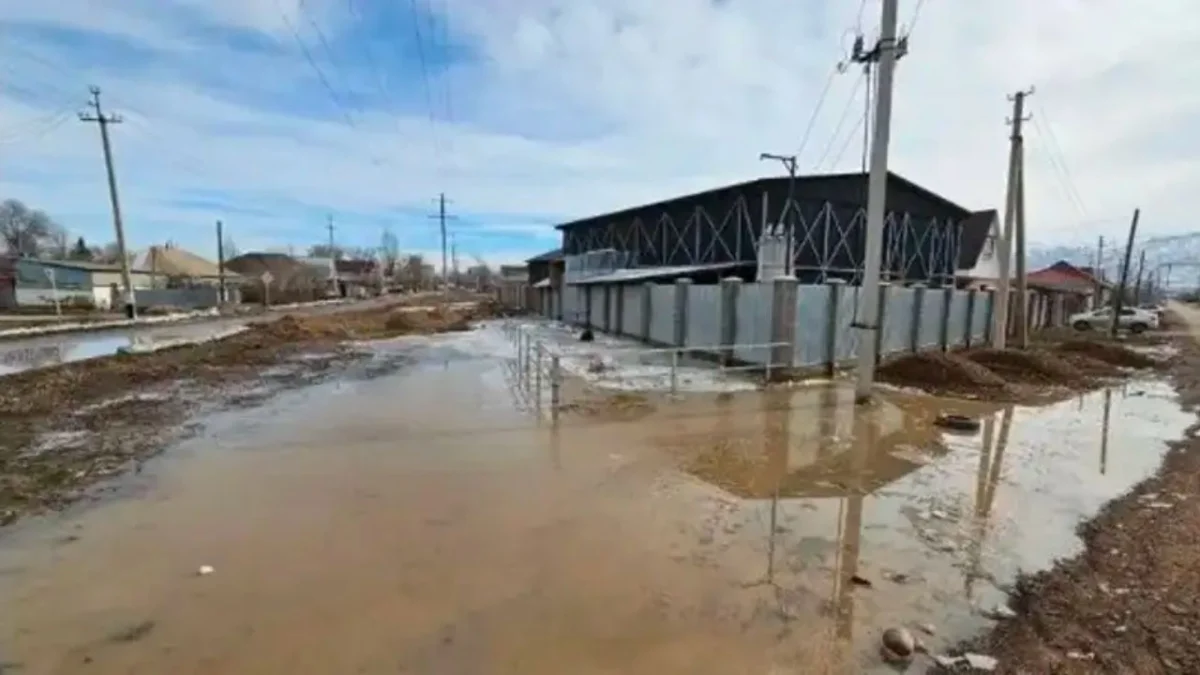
(812, 120)
(837, 130)
(333, 95)
(1046, 130)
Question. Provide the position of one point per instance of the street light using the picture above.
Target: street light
(789, 163)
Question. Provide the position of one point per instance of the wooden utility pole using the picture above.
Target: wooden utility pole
(1000, 311)
(220, 264)
(1119, 300)
(97, 115)
(886, 52)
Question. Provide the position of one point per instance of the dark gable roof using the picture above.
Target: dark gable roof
(975, 230)
(548, 256)
(893, 179)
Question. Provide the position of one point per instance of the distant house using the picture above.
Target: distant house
(169, 265)
(978, 261)
(284, 278)
(26, 282)
(1082, 289)
(356, 277)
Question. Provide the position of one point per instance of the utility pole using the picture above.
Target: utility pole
(886, 52)
(442, 217)
(789, 163)
(454, 257)
(97, 115)
(220, 264)
(1137, 288)
(1022, 283)
(1011, 207)
(333, 271)
(1119, 300)
(1098, 274)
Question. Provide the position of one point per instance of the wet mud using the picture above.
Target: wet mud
(66, 427)
(1128, 603)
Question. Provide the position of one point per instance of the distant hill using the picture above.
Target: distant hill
(1176, 249)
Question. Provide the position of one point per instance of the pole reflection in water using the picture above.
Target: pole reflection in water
(866, 438)
(991, 459)
(1104, 431)
(776, 438)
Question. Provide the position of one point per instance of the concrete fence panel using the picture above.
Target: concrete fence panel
(981, 317)
(959, 319)
(845, 334)
(596, 315)
(753, 323)
(662, 316)
(931, 314)
(631, 310)
(703, 316)
(897, 320)
(812, 325)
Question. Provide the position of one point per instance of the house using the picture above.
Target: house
(280, 278)
(1081, 290)
(357, 277)
(38, 282)
(978, 261)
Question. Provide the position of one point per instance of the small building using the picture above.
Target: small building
(357, 277)
(978, 261)
(1081, 290)
(37, 282)
(287, 279)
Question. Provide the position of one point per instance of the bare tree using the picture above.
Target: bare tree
(389, 252)
(231, 249)
(413, 271)
(108, 254)
(27, 232)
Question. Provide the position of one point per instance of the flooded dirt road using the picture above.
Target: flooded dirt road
(420, 522)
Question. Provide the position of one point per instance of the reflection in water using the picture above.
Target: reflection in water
(991, 459)
(1104, 432)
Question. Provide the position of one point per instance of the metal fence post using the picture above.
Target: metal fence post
(674, 371)
(555, 387)
(537, 378)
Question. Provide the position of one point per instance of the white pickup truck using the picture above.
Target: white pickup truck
(1132, 319)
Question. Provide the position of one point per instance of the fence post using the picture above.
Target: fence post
(537, 378)
(606, 321)
(730, 291)
(1056, 311)
(837, 289)
(947, 307)
(989, 329)
(783, 324)
(682, 286)
(587, 305)
(972, 303)
(647, 300)
(619, 324)
(555, 387)
(885, 294)
(914, 327)
(674, 371)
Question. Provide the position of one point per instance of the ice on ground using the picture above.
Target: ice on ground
(624, 364)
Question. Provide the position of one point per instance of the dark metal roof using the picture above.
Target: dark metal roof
(975, 230)
(893, 178)
(548, 256)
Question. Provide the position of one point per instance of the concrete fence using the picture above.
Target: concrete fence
(811, 325)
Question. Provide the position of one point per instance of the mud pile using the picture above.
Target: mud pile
(1112, 354)
(941, 372)
(1029, 367)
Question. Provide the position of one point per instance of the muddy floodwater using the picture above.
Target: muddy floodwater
(421, 522)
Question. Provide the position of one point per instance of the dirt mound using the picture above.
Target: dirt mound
(940, 372)
(1089, 366)
(1113, 354)
(1031, 367)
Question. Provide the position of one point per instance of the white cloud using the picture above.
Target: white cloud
(579, 107)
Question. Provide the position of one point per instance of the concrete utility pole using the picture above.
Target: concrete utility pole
(1119, 300)
(333, 271)
(442, 217)
(1098, 273)
(1022, 281)
(789, 163)
(97, 115)
(220, 264)
(886, 52)
(1011, 207)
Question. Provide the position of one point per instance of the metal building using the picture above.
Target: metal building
(721, 229)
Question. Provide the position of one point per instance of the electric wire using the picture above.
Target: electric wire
(1058, 158)
(307, 53)
(837, 130)
(812, 120)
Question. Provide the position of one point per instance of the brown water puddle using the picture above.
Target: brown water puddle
(421, 525)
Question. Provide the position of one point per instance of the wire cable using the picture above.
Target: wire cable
(837, 130)
(333, 95)
(812, 120)
(1058, 157)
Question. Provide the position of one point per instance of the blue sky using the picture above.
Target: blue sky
(530, 112)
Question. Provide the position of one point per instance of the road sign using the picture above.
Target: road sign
(267, 278)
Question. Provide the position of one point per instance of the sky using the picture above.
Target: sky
(275, 115)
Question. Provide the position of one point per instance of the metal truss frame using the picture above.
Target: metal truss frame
(829, 241)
